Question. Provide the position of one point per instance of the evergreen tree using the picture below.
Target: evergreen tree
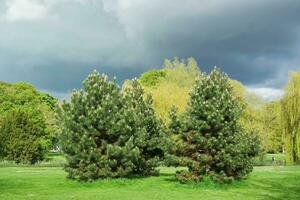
(107, 132)
(95, 137)
(212, 141)
(149, 136)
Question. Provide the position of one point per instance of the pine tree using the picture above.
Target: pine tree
(109, 132)
(212, 141)
(95, 137)
(149, 135)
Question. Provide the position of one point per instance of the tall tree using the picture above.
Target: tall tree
(290, 116)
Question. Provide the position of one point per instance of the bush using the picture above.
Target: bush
(109, 133)
(22, 136)
(211, 140)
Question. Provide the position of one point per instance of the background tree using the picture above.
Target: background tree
(170, 85)
(290, 116)
(23, 137)
(261, 115)
(21, 96)
(272, 134)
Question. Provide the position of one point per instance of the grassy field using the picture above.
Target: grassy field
(51, 183)
(58, 160)
(266, 160)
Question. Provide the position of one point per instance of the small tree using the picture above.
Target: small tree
(212, 141)
(23, 138)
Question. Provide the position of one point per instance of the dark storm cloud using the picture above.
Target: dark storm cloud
(55, 44)
(248, 40)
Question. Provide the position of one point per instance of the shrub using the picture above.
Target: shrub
(212, 142)
(22, 136)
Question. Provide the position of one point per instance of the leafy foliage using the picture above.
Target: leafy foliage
(272, 134)
(152, 77)
(172, 87)
(23, 138)
(290, 116)
(211, 140)
(13, 95)
(23, 97)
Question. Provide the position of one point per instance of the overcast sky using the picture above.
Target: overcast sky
(54, 44)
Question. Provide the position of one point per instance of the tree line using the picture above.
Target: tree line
(174, 116)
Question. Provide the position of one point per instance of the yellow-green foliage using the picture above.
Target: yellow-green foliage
(246, 96)
(166, 95)
(260, 115)
(22, 96)
(290, 118)
(272, 128)
(266, 120)
(170, 86)
(152, 77)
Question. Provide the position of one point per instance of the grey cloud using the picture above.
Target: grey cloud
(256, 41)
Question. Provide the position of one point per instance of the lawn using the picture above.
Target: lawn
(266, 160)
(50, 183)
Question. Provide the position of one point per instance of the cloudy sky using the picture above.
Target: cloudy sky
(54, 44)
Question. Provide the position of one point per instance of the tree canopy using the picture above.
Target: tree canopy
(27, 121)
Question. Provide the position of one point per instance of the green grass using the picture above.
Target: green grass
(266, 160)
(32, 183)
(52, 160)
(58, 160)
